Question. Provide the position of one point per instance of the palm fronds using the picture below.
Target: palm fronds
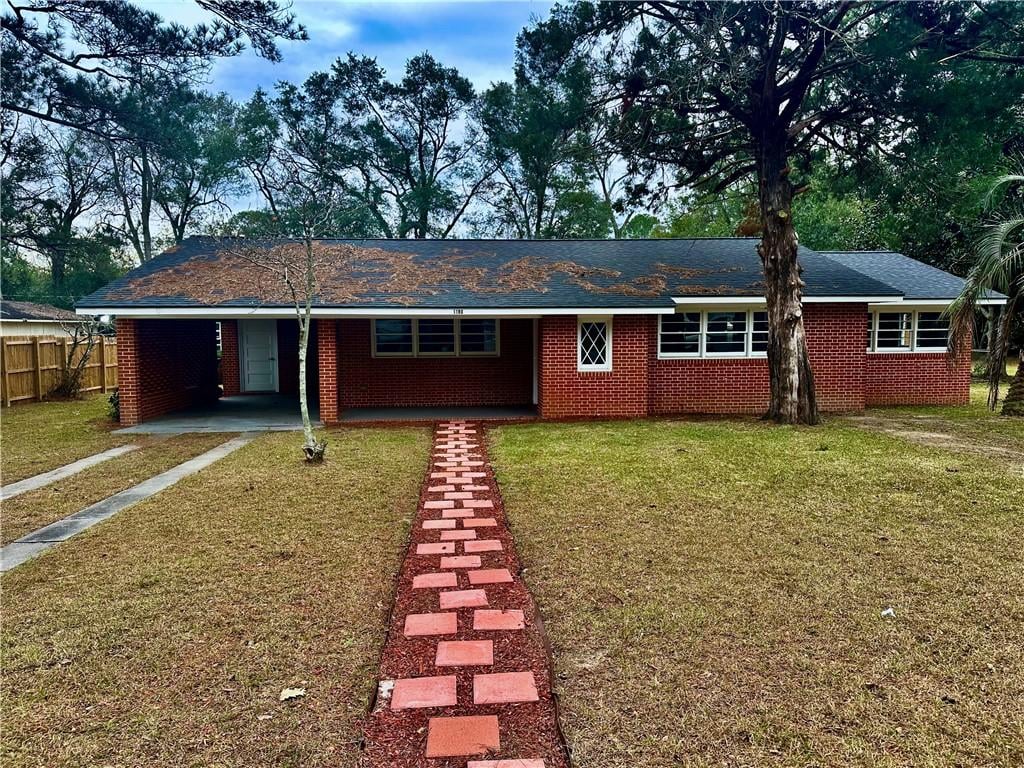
(998, 266)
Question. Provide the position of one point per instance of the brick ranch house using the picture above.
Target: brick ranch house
(571, 329)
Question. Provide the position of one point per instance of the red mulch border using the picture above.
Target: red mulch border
(397, 739)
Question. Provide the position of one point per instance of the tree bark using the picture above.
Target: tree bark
(791, 380)
(1013, 404)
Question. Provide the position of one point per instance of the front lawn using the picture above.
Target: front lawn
(164, 636)
(714, 593)
(34, 509)
(973, 425)
(38, 437)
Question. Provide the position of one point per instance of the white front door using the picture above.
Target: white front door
(259, 355)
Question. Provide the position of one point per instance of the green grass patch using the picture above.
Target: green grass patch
(38, 437)
(714, 593)
(164, 635)
(29, 511)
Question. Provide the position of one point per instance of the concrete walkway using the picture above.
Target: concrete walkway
(45, 478)
(30, 545)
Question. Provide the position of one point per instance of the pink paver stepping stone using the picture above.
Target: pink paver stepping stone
(475, 488)
(484, 545)
(464, 653)
(435, 580)
(440, 488)
(460, 561)
(479, 522)
(504, 688)
(436, 548)
(472, 474)
(457, 481)
(461, 535)
(459, 736)
(415, 692)
(514, 763)
(459, 495)
(442, 475)
(432, 525)
(419, 624)
(477, 504)
(463, 598)
(489, 576)
(498, 620)
(439, 504)
(449, 514)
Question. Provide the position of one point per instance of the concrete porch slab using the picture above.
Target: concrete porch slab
(239, 413)
(483, 413)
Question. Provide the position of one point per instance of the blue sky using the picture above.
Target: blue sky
(478, 38)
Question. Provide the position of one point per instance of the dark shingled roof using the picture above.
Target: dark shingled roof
(915, 279)
(623, 273)
(28, 310)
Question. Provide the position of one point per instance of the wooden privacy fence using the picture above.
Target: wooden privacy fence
(30, 366)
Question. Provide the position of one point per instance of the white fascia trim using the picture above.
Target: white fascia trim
(932, 303)
(754, 300)
(227, 313)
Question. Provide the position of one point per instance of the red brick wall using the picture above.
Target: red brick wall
(327, 355)
(373, 382)
(230, 371)
(835, 342)
(566, 392)
(918, 378)
(165, 365)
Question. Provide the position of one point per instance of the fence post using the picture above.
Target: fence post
(38, 360)
(4, 364)
(103, 364)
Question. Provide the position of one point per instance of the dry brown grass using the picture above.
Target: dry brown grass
(714, 591)
(164, 635)
(38, 437)
(34, 509)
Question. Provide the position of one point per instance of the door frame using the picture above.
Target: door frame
(242, 358)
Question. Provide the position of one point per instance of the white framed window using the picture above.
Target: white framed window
(435, 337)
(478, 336)
(713, 333)
(894, 330)
(679, 334)
(725, 333)
(907, 331)
(594, 344)
(931, 332)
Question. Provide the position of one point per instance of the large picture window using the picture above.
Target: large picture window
(594, 344)
(713, 333)
(435, 337)
(908, 331)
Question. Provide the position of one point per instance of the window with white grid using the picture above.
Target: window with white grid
(594, 344)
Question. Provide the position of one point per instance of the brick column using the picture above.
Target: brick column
(230, 371)
(128, 371)
(327, 363)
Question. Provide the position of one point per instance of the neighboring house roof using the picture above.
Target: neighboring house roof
(915, 279)
(491, 274)
(27, 310)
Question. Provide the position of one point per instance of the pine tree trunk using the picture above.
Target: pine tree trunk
(790, 376)
(1013, 404)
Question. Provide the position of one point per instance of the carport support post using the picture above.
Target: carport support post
(127, 371)
(327, 364)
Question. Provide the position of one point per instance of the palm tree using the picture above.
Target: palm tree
(999, 266)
